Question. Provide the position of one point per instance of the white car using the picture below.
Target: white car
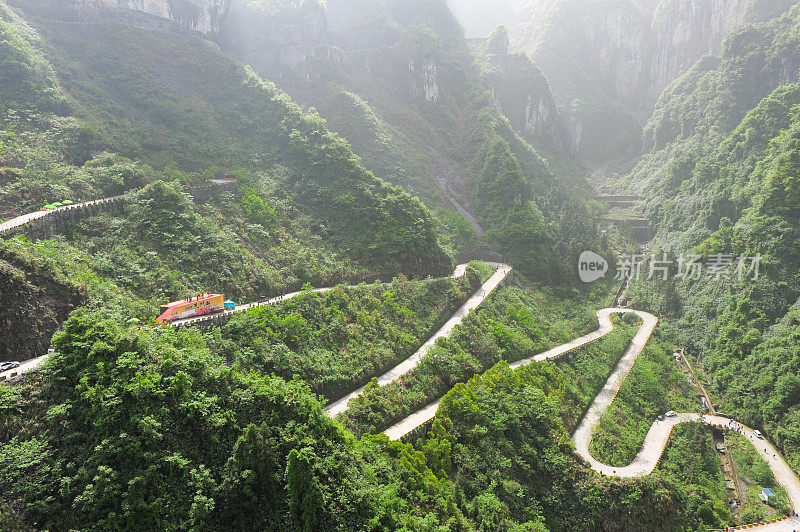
(757, 434)
(671, 413)
(4, 366)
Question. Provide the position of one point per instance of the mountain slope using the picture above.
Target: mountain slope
(399, 80)
(608, 61)
(721, 181)
(172, 99)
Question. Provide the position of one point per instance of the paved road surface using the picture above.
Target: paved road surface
(337, 407)
(421, 417)
(24, 367)
(789, 525)
(19, 221)
(583, 434)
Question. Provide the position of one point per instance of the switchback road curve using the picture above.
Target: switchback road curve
(655, 441)
(658, 436)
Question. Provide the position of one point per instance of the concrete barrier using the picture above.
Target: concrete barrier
(46, 224)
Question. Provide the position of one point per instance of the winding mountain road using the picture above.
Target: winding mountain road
(501, 271)
(339, 406)
(657, 437)
(421, 417)
(583, 434)
(655, 442)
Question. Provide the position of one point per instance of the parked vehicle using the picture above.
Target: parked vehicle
(192, 306)
(230, 305)
(5, 366)
(757, 434)
(671, 413)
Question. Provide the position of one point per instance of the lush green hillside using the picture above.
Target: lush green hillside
(731, 134)
(714, 96)
(133, 427)
(175, 103)
(401, 83)
(513, 325)
(148, 429)
(337, 341)
(129, 428)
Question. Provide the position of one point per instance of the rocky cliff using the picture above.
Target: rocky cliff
(36, 306)
(608, 61)
(521, 90)
(311, 42)
(635, 47)
(682, 31)
(286, 41)
(200, 16)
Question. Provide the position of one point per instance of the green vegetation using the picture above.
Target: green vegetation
(654, 386)
(755, 473)
(144, 429)
(160, 246)
(28, 82)
(336, 341)
(729, 130)
(513, 464)
(511, 326)
(148, 428)
(234, 123)
(460, 148)
(131, 427)
(691, 461)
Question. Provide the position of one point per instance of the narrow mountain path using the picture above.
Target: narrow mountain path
(658, 436)
(421, 417)
(501, 271)
(655, 442)
(19, 221)
(339, 406)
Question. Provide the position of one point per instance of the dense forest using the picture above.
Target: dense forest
(324, 166)
(725, 136)
(130, 429)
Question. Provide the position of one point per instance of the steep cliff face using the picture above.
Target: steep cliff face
(682, 32)
(591, 53)
(424, 80)
(628, 53)
(521, 90)
(311, 42)
(608, 61)
(612, 43)
(203, 16)
(37, 306)
(284, 41)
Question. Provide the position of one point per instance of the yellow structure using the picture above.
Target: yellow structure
(189, 307)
